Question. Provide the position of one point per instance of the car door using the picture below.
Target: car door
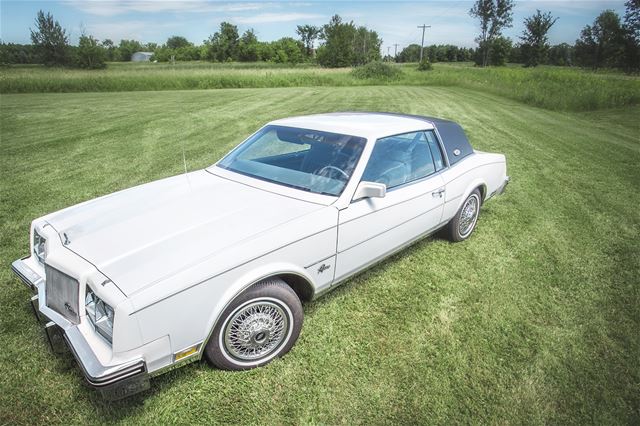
(372, 228)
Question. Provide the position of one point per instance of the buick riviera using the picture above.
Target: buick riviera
(215, 263)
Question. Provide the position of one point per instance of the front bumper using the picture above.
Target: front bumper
(112, 381)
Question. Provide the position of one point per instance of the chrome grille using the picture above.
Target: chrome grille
(62, 294)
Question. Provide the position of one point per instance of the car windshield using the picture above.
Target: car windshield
(310, 160)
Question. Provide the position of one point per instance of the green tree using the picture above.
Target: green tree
(411, 53)
(347, 45)
(90, 54)
(248, 50)
(308, 34)
(500, 51)
(632, 35)
(176, 42)
(110, 49)
(632, 18)
(185, 53)
(11, 53)
(561, 54)
(287, 50)
(337, 50)
(601, 44)
(494, 16)
(535, 43)
(435, 53)
(223, 45)
(266, 51)
(126, 48)
(516, 55)
(451, 53)
(366, 46)
(51, 40)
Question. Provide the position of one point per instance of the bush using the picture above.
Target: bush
(376, 70)
(425, 65)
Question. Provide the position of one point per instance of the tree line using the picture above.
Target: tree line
(342, 44)
(435, 53)
(610, 42)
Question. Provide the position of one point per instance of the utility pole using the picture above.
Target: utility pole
(388, 49)
(395, 52)
(424, 27)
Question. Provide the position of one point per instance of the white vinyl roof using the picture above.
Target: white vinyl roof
(365, 124)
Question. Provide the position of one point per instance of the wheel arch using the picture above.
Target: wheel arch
(301, 285)
(479, 184)
(296, 278)
(483, 191)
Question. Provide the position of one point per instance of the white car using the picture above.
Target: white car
(216, 262)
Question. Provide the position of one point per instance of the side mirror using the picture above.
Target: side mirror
(370, 190)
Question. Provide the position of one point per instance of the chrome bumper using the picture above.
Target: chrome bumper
(113, 381)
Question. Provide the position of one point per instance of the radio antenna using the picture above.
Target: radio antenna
(184, 162)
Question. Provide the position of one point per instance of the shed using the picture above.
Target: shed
(141, 56)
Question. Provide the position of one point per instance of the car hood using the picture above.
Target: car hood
(144, 234)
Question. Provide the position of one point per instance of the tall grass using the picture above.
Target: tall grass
(552, 88)
(164, 77)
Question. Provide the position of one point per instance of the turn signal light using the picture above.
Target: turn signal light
(185, 353)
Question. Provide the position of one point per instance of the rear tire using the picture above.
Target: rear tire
(464, 222)
(261, 324)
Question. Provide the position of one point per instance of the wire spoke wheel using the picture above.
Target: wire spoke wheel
(260, 324)
(468, 215)
(256, 330)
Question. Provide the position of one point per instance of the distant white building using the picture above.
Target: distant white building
(141, 56)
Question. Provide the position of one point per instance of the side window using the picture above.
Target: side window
(400, 159)
(436, 152)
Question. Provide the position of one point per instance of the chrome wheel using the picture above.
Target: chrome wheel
(468, 215)
(256, 330)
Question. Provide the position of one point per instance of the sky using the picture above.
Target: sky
(395, 21)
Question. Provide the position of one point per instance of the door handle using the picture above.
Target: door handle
(438, 193)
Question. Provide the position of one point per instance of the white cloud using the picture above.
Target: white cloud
(119, 7)
(265, 18)
(566, 7)
(134, 30)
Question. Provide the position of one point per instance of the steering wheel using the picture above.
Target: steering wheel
(330, 169)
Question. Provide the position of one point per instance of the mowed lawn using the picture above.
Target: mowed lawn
(535, 319)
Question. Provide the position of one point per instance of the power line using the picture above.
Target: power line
(424, 27)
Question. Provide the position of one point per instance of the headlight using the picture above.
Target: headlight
(39, 246)
(100, 314)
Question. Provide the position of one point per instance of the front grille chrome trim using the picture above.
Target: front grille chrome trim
(62, 294)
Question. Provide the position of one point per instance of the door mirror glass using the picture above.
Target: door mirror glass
(370, 190)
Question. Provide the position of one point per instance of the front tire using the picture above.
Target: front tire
(261, 324)
(464, 222)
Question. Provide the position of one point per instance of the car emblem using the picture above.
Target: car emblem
(68, 307)
(323, 268)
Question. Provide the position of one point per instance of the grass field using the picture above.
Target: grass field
(535, 319)
(556, 88)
